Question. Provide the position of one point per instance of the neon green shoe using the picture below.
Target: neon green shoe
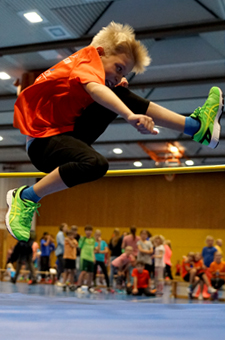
(20, 213)
(209, 116)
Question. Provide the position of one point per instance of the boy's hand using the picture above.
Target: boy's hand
(134, 291)
(143, 124)
(123, 83)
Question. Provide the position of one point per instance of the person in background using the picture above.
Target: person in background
(159, 263)
(131, 241)
(74, 229)
(101, 248)
(22, 253)
(69, 256)
(121, 264)
(178, 268)
(87, 259)
(145, 250)
(167, 259)
(46, 242)
(60, 239)
(141, 282)
(218, 245)
(208, 251)
(217, 269)
(200, 272)
(115, 245)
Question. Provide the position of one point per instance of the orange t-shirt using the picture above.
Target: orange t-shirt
(142, 278)
(214, 267)
(184, 264)
(70, 252)
(199, 264)
(51, 105)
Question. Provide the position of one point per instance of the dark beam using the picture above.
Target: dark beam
(181, 82)
(148, 33)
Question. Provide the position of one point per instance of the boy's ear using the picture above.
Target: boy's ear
(101, 51)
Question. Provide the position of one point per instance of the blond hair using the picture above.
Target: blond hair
(117, 38)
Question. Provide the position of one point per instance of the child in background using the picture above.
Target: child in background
(145, 250)
(87, 259)
(46, 247)
(141, 282)
(218, 246)
(217, 269)
(131, 240)
(115, 245)
(121, 264)
(159, 263)
(200, 272)
(208, 251)
(101, 248)
(178, 268)
(69, 256)
(167, 259)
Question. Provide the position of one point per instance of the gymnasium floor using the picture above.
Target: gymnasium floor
(45, 312)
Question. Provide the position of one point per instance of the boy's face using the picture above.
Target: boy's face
(88, 233)
(140, 268)
(197, 257)
(116, 67)
(209, 243)
(144, 235)
(218, 258)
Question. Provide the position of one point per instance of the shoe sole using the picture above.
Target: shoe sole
(217, 128)
(9, 203)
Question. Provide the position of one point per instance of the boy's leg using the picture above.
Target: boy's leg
(81, 278)
(95, 272)
(69, 161)
(104, 271)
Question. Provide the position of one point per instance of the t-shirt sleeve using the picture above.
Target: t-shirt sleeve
(88, 67)
(105, 245)
(81, 242)
(134, 272)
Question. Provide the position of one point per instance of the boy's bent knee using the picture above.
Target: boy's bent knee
(87, 170)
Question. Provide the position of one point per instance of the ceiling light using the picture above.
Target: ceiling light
(33, 17)
(118, 151)
(4, 75)
(189, 162)
(1, 138)
(174, 149)
(137, 164)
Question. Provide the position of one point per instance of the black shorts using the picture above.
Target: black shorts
(186, 277)
(69, 264)
(200, 275)
(78, 162)
(86, 266)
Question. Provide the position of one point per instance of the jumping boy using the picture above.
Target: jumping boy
(60, 124)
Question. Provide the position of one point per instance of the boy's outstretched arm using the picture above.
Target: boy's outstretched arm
(105, 97)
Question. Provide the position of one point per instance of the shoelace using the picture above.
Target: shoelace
(28, 212)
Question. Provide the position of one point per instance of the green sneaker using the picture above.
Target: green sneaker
(20, 213)
(209, 116)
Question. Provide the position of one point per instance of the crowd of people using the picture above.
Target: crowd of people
(131, 263)
(205, 270)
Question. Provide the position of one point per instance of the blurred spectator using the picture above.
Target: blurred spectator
(159, 263)
(217, 269)
(178, 268)
(115, 245)
(142, 281)
(69, 257)
(60, 239)
(208, 251)
(101, 248)
(167, 259)
(121, 264)
(219, 244)
(145, 250)
(22, 253)
(46, 246)
(131, 241)
(74, 229)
